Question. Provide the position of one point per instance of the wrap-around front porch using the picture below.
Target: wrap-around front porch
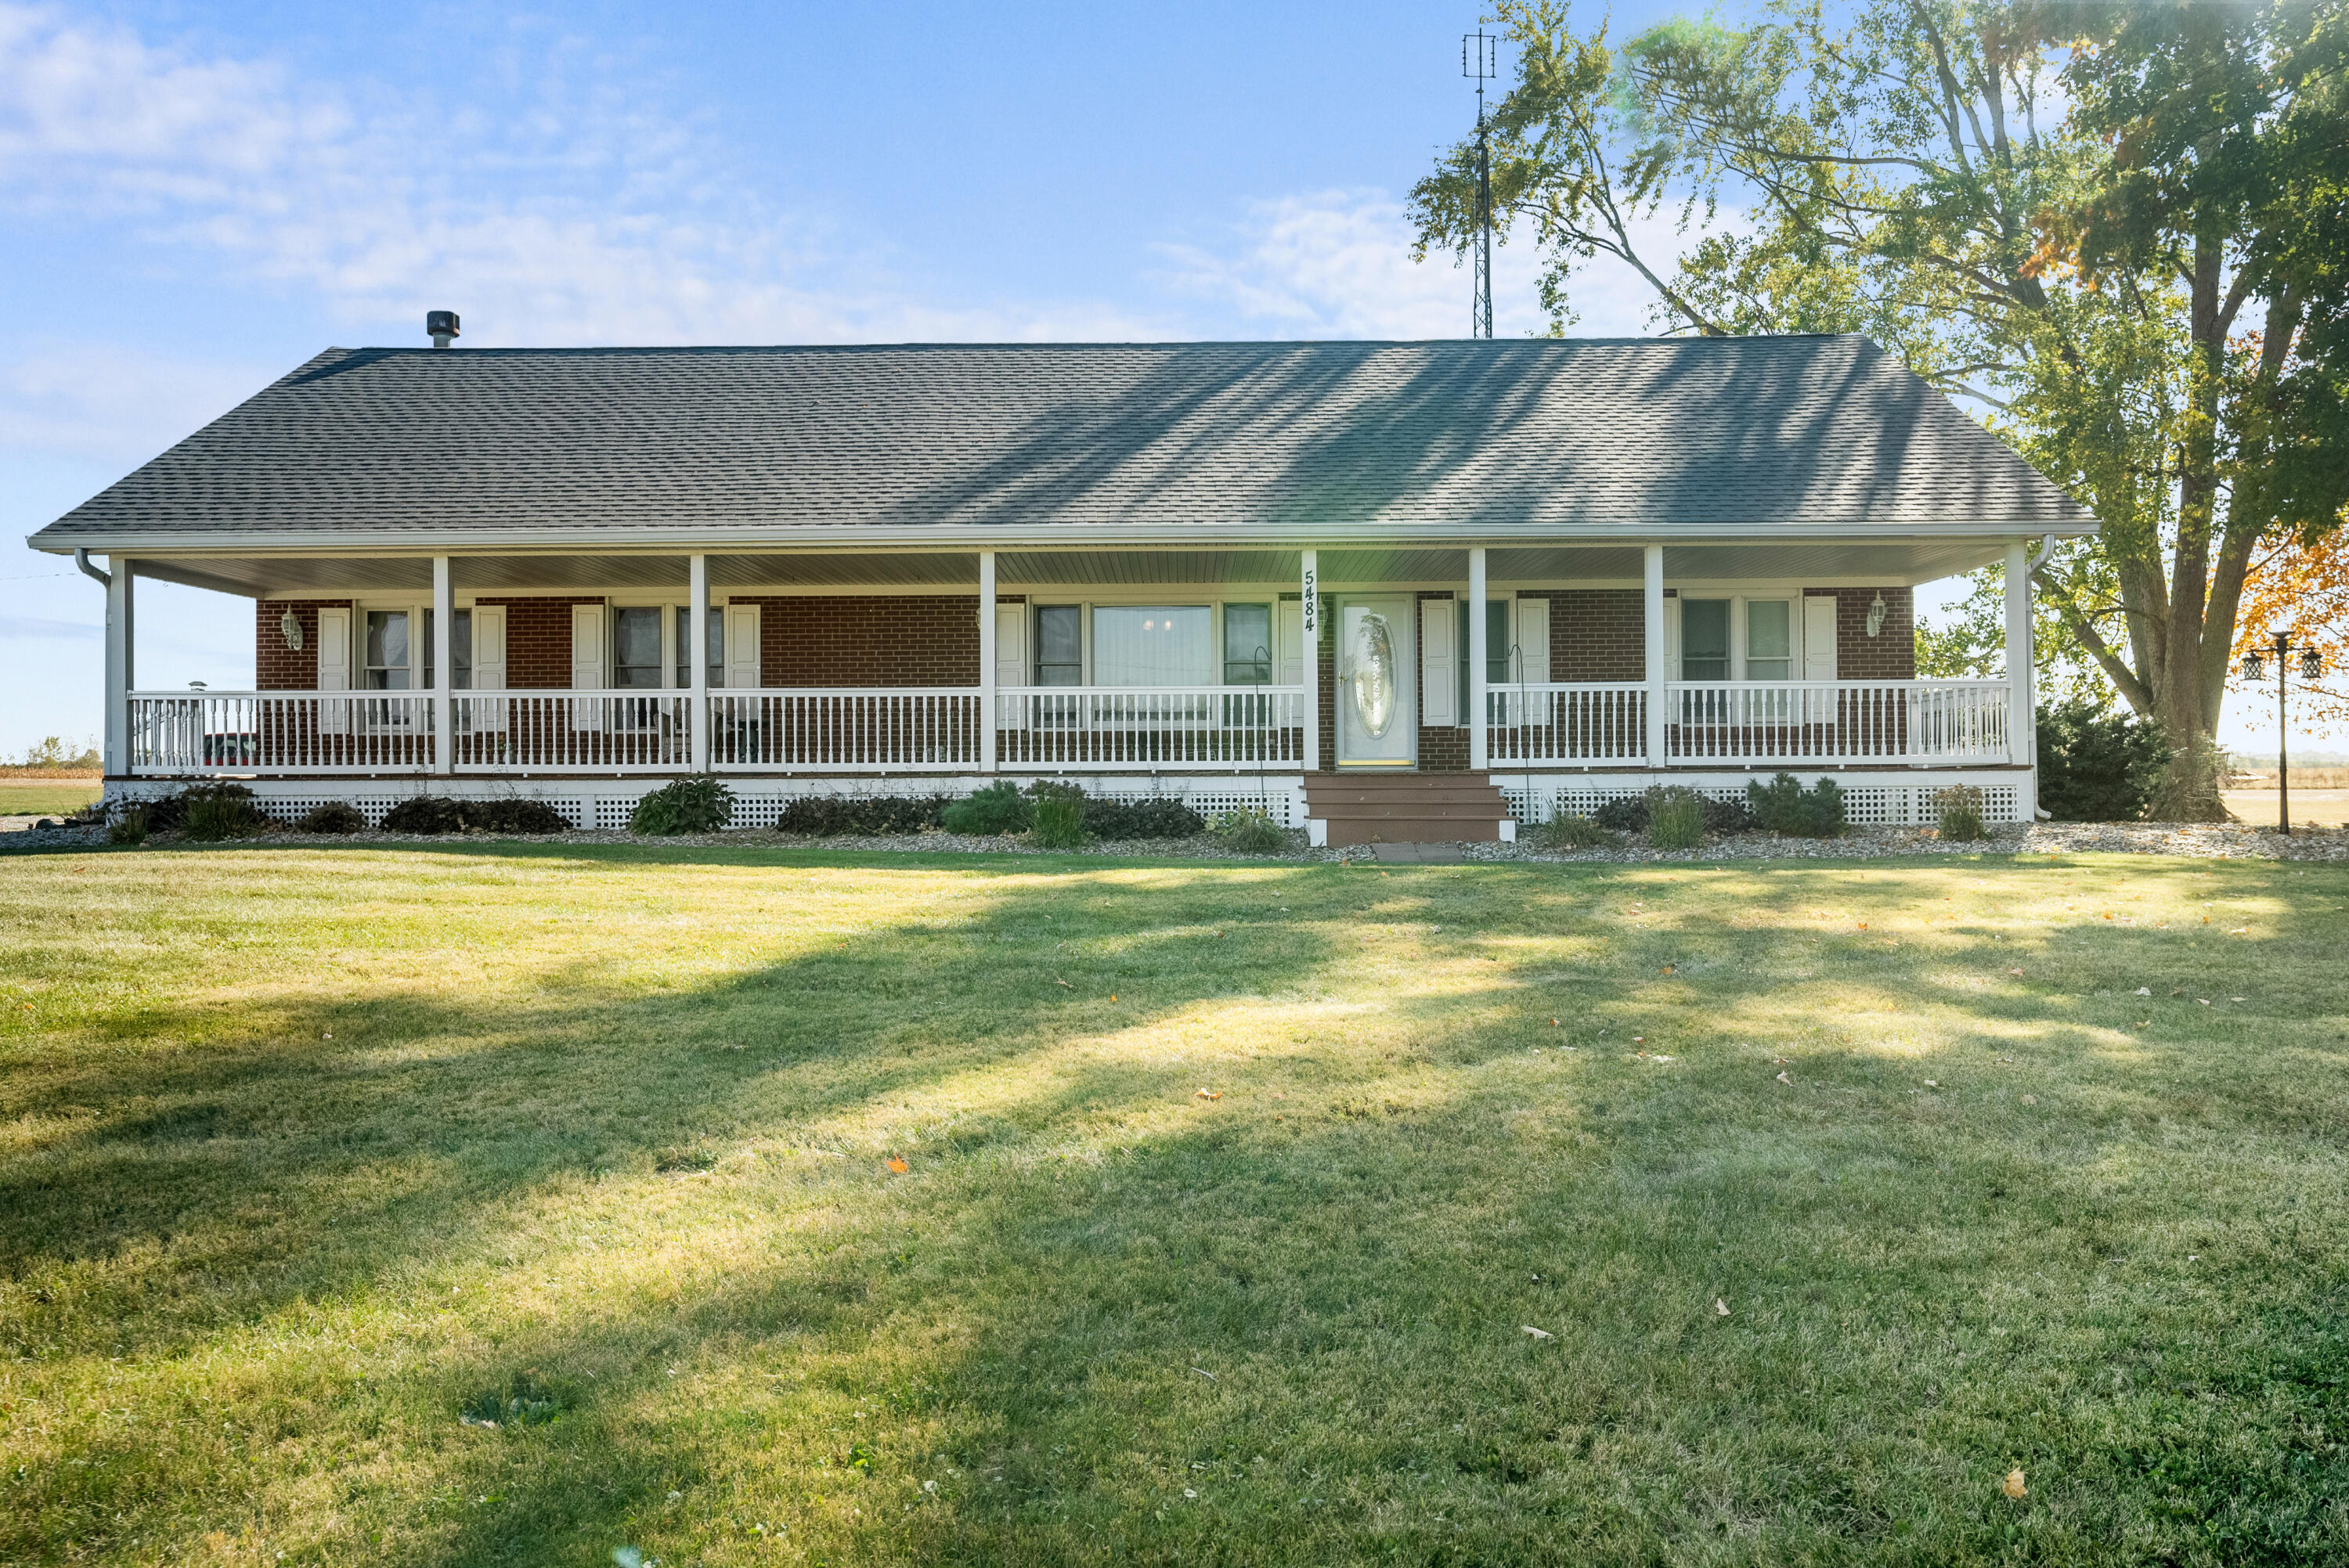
(1590, 668)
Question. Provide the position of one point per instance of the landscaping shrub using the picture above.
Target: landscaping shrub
(2097, 766)
(1676, 818)
(1960, 808)
(1783, 805)
(1628, 813)
(1570, 831)
(1151, 818)
(997, 809)
(1060, 822)
(512, 815)
(697, 805)
(868, 816)
(1250, 832)
(425, 814)
(211, 812)
(169, 814)
(334, 817)
(130, 828)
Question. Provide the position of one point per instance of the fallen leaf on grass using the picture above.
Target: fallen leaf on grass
(2240, 930)
(2014, 1486)
(1064, 984)
(1203, 1372)
(2015, 972)
(2031, 1100)
(1211, 1093)
(1113, 996)
(1785, 1079)
(1538, 1333)
(898, 1164)
(1667, 968)
(2145, 990)
(1720, 1307)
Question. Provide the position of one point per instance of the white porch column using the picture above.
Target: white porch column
(1658, 658)
(444, 667)
(1480, 753)
(120, 677)
(1309, 579)
(696, 654)
(987, 713)
(2020, 707)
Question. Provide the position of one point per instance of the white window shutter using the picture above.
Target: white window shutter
(1672, 639)
(1819, 638)
(1011, 647)
(488, 647)
(1533, 648)
(1289, 633)
(742, 664)
(590, 657)
(334, 668)
(1439, 669)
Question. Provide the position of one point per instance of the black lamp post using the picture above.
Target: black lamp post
(2312, 666)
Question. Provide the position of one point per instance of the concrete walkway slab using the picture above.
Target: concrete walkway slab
(1419, 854)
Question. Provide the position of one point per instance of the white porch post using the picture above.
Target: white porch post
(1480, 754)
(2021, 705)
(1658, 658)
(444, 668)
(696, 654)
(120, 677)
(987, 713)
(1309, 579)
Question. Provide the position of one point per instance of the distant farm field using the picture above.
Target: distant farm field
(36, 797)
(522, 1204)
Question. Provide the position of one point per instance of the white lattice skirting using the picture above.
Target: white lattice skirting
(1871, 800)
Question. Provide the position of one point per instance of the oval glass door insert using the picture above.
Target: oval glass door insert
(1374, 675)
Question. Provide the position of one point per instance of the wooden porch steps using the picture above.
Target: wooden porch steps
(1405, 807)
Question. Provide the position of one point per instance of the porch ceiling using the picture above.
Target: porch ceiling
(1887, 560)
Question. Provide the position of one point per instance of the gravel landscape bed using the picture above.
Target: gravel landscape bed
(2203, 840)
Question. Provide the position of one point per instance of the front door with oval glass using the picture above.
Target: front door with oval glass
(1378, 694)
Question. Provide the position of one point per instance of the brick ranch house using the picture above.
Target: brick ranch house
(1382, 589)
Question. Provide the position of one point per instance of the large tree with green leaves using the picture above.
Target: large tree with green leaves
(2117, 229)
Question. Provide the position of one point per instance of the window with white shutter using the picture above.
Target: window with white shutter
(1438, 663)
(334, 667)
(1819, 637)
(589, 655)
(743, 646)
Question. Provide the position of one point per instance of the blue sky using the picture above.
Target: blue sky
(193, 198)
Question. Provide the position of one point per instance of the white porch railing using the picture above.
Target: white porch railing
(791, 729)
(180, 733)
(1798, 722)
(1079, 728)
(1037, 728)
(577, 732)
(1568, 723)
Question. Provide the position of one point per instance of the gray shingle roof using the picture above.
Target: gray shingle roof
(1765, 434)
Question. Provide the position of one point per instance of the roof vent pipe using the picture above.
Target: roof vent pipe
(443, 326)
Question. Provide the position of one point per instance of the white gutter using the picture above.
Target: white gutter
(81, 559)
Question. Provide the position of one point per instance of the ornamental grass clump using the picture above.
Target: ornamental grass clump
(1060, 823)
(1676, 818)
(1570, 831)
(1250, 832)
(697, 805)
(130, 828)
(997, 808)
(1782, 806)
(1959, 808)
(217, 813)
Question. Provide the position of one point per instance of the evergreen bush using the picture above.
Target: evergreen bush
(2097, 766)
(211, 812)
(697, 805)
(997, 808)
(1782, 806)
(425, 814)
(333, 817)
(865, 817)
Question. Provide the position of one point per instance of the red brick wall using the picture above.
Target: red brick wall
(1891, 654)
(1598, 634)
(538, 640)
(276, 666)
(868, 640)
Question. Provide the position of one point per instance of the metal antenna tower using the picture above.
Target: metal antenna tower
(1480, 56)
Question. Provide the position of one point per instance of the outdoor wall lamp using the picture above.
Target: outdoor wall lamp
(290, 625)
(1876, 615)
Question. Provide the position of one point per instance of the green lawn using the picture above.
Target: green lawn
(46, 797)
(313, 1155)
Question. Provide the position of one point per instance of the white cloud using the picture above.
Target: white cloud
(1337, 263)
(115, 406)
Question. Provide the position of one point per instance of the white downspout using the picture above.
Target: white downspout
(1658, 657)
(444, 667)
(987, 717)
